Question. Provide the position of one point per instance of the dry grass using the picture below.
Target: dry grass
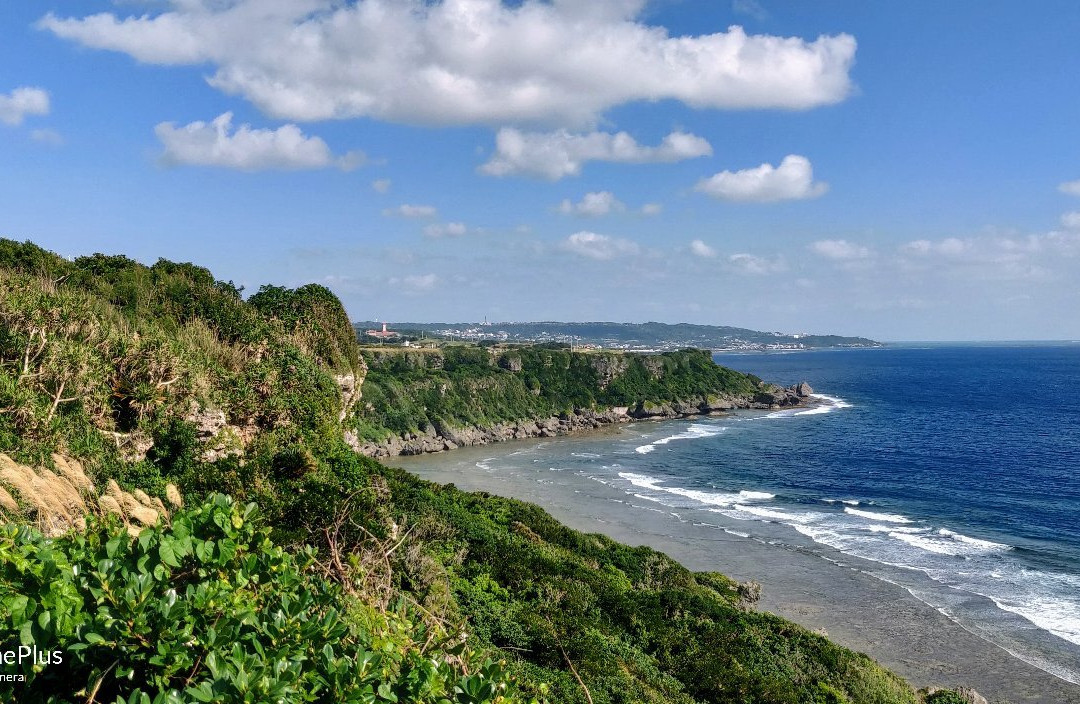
(72, 470)
(59, 500)
(172, 495)
(109, 505)
(7, 502)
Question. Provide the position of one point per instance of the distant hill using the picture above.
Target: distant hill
(635, 336)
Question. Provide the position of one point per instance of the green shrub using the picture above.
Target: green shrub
(210, 610)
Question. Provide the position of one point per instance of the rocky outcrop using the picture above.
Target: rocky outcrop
(218, 438)
(965, 694)
(608, 367)
(440, 437)
(133, 446)
(510, 362)
(350, 392)
(774, 396)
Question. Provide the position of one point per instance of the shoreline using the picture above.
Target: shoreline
(442, 438)
(838, 593)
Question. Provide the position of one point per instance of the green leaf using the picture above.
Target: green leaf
(26, 633)
(167, 554)
(113, 545)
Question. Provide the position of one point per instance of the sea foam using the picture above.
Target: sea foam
(708, 498)
(888, 517)
(693, 432)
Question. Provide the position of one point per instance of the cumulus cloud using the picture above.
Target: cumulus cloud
(450, 229)
(20, 102)
(553, 155)
(792, 180)
(219, 144)
(381, 185)
(600, 247)
(408, 210)
(651, 209)
(593, 205)
(1070, 187)
(701, 249)
(1071, 220)
(467, 61)
(1036, 257)
(840, 250)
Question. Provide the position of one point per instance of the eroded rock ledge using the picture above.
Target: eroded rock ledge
(439, 437)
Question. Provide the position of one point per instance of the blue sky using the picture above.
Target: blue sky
(901, 171)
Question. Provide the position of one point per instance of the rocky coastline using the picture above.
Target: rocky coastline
(440, 438)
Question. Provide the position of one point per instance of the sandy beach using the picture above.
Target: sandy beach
(839, 594)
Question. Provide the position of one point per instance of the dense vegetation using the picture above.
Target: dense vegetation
(350, 581)
(210, 610)
(411, 390)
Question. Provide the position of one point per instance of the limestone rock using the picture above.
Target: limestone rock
(218, 438)
(608, 367)
(510, 362)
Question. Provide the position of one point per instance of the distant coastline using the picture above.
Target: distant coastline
(648, 337)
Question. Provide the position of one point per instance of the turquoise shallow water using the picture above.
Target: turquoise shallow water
(953, 472)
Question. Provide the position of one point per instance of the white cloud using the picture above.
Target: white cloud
(450, 229)
(467, 61)
(751, 264)
(651, 209)
(600, 247)
(412, 211)
(792, 180)
(1017, 258)
(593, 205)
(47, 136)
(16, 105)
(381, 185)
(701, 249)
(840, 250)
(553, 155)
(1070, 187)
(1071, 220)
(217, 143)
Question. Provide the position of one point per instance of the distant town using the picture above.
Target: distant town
(638, 337)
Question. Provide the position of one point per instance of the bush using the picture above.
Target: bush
(210, 610)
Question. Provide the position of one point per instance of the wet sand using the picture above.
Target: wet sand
(855, 608)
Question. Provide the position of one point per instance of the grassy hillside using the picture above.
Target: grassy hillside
(322, 575)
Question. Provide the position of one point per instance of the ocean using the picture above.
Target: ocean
(950, 471)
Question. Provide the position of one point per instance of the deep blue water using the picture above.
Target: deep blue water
(984, 439)
(955, 470)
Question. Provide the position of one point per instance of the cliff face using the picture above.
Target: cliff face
(418, 401)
